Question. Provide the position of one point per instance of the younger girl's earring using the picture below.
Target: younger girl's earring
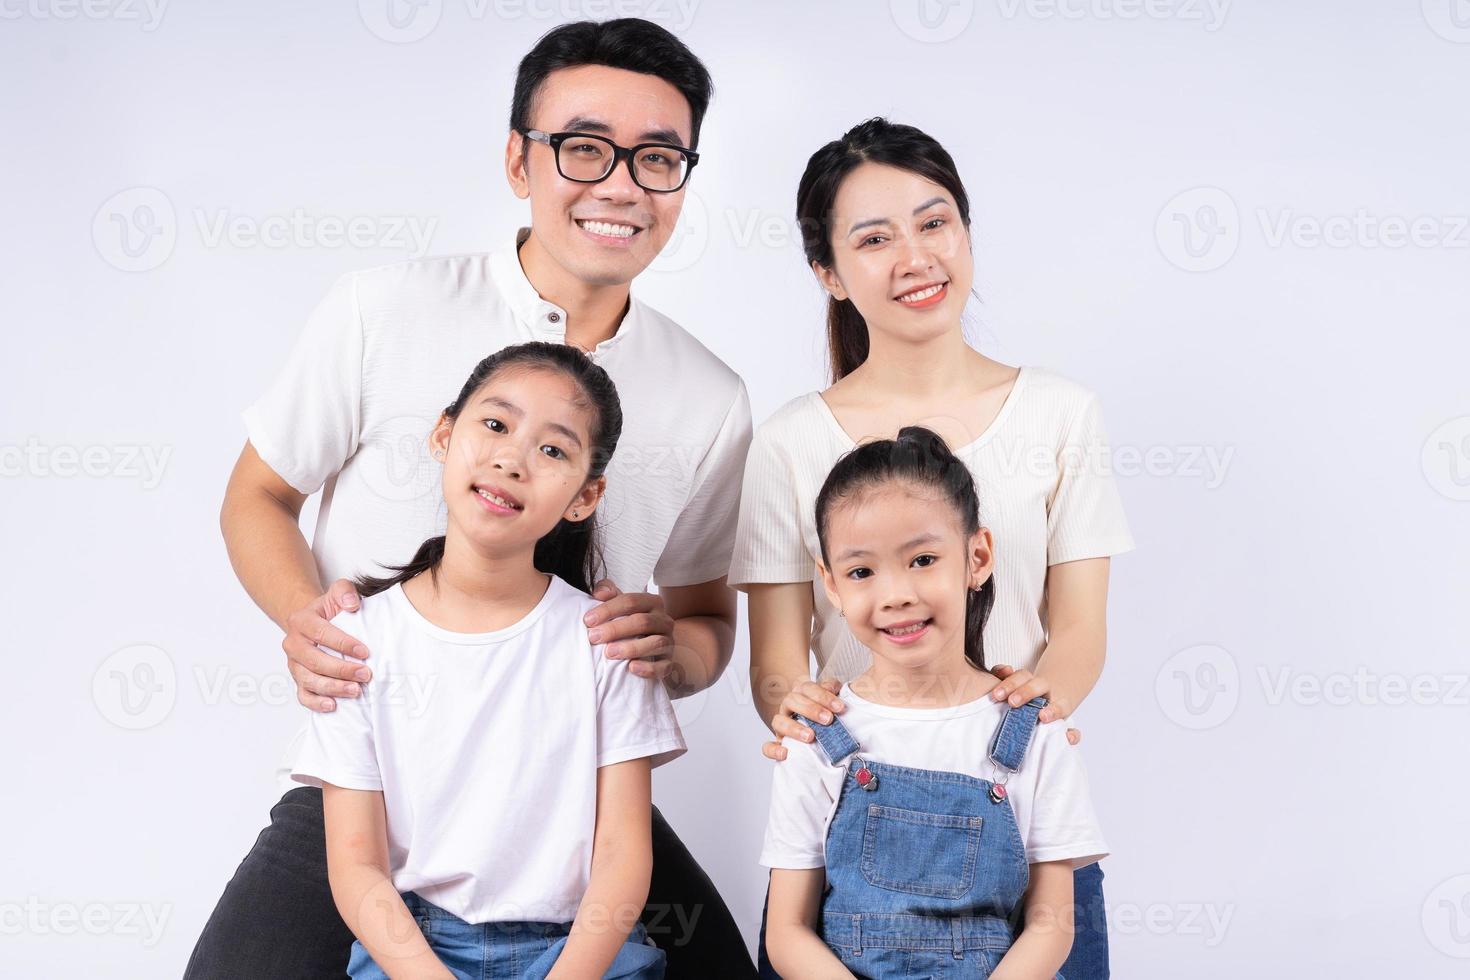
(438, 454)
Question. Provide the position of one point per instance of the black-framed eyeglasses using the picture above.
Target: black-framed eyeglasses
(587, 159)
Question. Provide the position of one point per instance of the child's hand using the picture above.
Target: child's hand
(1016, 687)
(635, 627)
(813, 700)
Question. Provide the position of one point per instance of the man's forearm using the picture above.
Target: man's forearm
(268, 552)
(702, 648)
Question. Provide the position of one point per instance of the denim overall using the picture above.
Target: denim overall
(520, 950)
(926, 870)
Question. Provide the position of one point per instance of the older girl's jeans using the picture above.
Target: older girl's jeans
(277, 921)
(524, 950)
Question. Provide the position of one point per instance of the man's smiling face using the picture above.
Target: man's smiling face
(604, 233)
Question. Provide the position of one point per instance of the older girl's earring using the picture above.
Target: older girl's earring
(438, 454)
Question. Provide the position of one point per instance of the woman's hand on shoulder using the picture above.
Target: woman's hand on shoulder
(1016, 687)
(811, 699)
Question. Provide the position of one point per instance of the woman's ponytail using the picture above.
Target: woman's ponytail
(847, 337)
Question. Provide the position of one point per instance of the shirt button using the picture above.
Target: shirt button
(554, 317)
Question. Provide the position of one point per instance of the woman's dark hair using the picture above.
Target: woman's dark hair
(571, 550)
(628, 43)
(877, 141)
(919, 457)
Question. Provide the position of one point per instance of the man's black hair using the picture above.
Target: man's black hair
(629, 43)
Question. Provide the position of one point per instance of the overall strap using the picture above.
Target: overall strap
(836, 741)
(1013, 735)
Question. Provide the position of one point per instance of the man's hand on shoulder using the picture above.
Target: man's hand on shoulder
(321, 677)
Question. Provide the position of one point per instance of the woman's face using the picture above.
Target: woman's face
(901, 568)
(517, 457)
(901, 253)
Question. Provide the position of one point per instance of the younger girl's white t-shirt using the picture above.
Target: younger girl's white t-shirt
(1042, 471)
(486, 748)
(1048, 794)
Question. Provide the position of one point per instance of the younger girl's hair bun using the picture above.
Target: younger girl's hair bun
(926, 439)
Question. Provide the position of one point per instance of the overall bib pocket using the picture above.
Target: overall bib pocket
(919, 853)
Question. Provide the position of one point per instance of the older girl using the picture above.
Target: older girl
(487, 799)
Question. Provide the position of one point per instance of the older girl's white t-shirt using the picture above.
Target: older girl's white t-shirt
(1042, 471)
(1049, 793)
(486, 748)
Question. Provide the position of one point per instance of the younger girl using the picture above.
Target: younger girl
(477, 826)
(932, 831)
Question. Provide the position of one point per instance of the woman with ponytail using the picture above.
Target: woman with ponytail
(932, 830)
(487, 797)
(885, 222)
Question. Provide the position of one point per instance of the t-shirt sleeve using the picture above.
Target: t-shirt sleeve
(698, 548)
(1061, 825)
(769, 547)
(337, 746)
(1084, 517)
(635, 718)
(804, 791)
(307, 424)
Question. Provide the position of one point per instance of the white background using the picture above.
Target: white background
(1278, 745)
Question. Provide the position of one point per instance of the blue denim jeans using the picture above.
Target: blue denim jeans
(524, 950)
(276, 919)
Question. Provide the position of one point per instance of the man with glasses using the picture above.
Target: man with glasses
(380, 357)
